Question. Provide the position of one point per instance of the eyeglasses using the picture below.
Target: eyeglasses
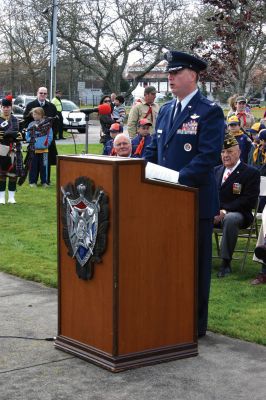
(107, 101)
(43, 93)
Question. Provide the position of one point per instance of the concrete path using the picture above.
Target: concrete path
(225, 369)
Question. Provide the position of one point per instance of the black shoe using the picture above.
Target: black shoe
(260, 253)
(224, 271)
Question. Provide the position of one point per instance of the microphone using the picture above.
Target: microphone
(102, 109)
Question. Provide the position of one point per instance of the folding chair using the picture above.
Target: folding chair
(262, 193)
(248, 233)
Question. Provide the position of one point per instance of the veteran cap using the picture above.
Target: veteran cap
(178, 60)
(144, 121)
(233, 120)
(240, 99)
(229, 141)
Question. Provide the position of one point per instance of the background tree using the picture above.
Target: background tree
(103, 34)
(233, 40)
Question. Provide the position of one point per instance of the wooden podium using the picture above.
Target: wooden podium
(140, 306)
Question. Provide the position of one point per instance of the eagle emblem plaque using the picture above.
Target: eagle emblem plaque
(85, 214)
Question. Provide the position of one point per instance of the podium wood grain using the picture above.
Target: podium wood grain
(140, 306)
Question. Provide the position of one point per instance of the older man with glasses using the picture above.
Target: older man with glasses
(49, 111)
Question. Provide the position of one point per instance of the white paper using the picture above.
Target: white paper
(154, 171)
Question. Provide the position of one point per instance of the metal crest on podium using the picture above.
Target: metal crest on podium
(85, 215)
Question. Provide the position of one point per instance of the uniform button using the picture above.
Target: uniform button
(164, 158)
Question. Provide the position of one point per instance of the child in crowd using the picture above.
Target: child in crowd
(108, 149)
(243, 140)
(143, 138)
(40, 134)
(119, 111)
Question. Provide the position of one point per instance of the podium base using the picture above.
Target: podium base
(124, 362)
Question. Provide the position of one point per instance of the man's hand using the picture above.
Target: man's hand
(218, 218)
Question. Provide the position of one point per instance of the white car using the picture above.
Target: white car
(73, 119)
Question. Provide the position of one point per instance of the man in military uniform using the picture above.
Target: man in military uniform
(239, 187)
(144, 109)
(188, 138)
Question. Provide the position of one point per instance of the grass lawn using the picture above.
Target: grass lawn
(28, 250)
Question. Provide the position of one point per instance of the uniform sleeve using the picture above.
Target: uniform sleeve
(133, 119)
(210, 133)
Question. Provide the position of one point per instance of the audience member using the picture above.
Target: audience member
(119, 111)
(108, 149)
(246, 118)
(105, 121)
(245, 143)
(49, 111)
(145, 109)
(112, 97)
(58, 104)
(239, 186)
(122, 145)
(11, 160)
(260, 252)
(42, 135)
(143, 138)
(232, 104)
(257, 154)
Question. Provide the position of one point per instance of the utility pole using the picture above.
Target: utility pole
(53, 44)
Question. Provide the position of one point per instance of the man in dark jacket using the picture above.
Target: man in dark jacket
(49, 111)
(239, 186)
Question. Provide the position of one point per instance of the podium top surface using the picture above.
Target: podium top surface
(111, 159)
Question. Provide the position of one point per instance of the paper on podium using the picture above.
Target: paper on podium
(154, 171)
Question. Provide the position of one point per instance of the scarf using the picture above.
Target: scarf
(140, 147)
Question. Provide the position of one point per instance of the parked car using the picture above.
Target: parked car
(254, 102)
(22, 100)
(73, 119)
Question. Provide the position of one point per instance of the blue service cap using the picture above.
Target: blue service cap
(178, 60)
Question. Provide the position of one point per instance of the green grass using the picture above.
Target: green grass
(28, 249)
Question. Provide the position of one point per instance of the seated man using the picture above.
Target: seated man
(238, 186)
(122, 145)
(260, 252)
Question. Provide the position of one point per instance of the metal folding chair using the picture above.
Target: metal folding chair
(248, 233)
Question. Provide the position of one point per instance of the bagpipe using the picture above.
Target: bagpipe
(35, 130)
(11, 142)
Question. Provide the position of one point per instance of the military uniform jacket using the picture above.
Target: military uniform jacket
(191, 143)
(240, 191)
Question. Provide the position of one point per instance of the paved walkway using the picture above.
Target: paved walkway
(225, 369)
